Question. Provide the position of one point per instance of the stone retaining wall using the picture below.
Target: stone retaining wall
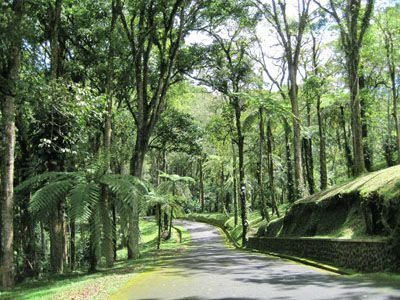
(364, 256)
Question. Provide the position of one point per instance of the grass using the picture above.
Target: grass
(391, 279)
(385, 182)
(105, 282)
(227, 222)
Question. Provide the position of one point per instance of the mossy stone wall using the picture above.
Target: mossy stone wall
(360, 255)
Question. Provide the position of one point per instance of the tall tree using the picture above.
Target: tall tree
(10, 59)
(155, 30)
(290, 36)
(225, 67)
(389, 27)
(353, 19)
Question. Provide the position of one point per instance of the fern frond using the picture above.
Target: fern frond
(41, 179)
(47, 198)
(80, 200)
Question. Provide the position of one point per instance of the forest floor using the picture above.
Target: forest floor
(210, 270)
(102, 284)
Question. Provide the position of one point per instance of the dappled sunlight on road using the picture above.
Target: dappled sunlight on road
(211, 271)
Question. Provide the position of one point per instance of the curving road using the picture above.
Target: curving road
(211, 271)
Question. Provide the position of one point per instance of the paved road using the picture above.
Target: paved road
(211, 271)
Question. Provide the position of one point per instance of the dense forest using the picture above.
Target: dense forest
(113, 110)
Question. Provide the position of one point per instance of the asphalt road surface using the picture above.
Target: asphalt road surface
(209, 270)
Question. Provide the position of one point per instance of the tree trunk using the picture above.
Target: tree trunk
(395, 97)
(235, 193)
(364, 128)
(137, 162)
(308, 155)
(322, 147)
(93, 246)
(242, 193)
(298, 164)
(42, 242)
(201, 184)
(107, 239)
(347, 152)
(114, 228)
(28, 224)
(72, 243)
(54, 44)
(270, 163)
(57, 239)
(289, 167)
(356, 124)
(7, 191)
(159, 226)
(263, 204)
(309, 163)
(8, 108)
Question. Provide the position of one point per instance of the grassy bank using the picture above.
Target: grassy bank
(105, 282)
(227, 222)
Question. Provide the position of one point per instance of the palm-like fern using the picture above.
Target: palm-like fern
(82, 193)
(166, 198)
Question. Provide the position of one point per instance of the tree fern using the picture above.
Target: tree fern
(82, 192)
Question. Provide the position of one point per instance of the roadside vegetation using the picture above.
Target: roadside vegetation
(105, 282)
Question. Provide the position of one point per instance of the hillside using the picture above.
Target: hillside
(367, 207)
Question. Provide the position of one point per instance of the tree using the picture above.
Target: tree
(353, 20)
(10, 61)
(157, 31)
(389, 28)
(290, 36)
(227, 69)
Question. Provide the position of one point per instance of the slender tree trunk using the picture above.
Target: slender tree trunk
(54, 44)
(114, 228)
(93, 246)
(107, 239)
(42, 242)
(8, 108)
(322, 147)
(387, 143)
(7, 191)
(263, 204)
(242, 193)
(289, 167)
(309, 164)
(170, 224)
(159, 226)
(364, 127)
(235, 193)
(270, 163)
(57, 222)
(28, 236)
(72, 242)
(298, 164)
(201, 184)
(395, 97)
(347, 151)
(308, 155)
(356, 124)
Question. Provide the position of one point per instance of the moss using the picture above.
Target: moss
(366, 207)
